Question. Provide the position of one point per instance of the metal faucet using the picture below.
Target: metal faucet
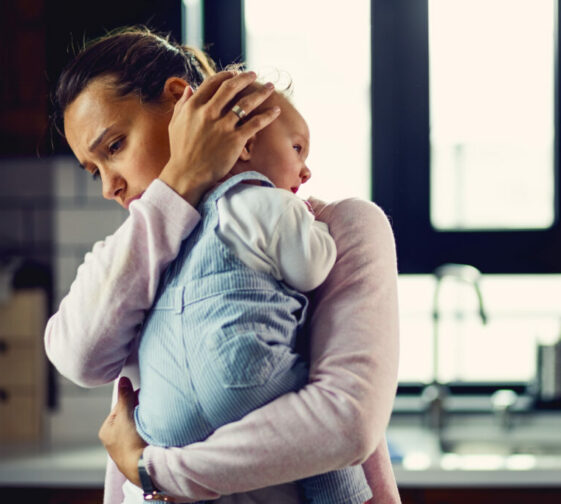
(435, 394)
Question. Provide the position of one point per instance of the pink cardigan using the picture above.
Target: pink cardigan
(338, 419)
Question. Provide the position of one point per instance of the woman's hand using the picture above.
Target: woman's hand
(206, 137)
(118, 433)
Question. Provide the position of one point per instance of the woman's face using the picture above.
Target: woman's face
(120, 139)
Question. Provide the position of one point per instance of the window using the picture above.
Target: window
(491, 114)
(325, 50)
(403, 112)
(465, 132)
(522, 311)
(438, 156)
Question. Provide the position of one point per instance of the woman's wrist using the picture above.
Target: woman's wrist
(191, 189)
(131, 471)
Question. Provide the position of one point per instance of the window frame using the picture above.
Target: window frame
(401, 158)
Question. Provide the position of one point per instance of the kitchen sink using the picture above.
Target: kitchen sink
(499, 447)
(531, 434)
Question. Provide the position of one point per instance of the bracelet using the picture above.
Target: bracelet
(151, 493)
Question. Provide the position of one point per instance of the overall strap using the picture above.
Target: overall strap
(223, 188)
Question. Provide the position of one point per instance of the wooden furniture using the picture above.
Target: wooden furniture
(22, 365)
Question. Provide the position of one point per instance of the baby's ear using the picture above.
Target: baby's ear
(247, 150)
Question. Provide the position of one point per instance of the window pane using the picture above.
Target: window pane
(324, 47)
(522, 311)
(492, 113)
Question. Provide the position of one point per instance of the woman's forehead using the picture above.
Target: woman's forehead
(95, 108)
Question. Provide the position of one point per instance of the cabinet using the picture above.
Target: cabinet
(22, 365)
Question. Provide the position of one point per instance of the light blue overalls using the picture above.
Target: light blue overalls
(218, 343)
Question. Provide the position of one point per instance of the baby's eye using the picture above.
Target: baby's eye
(115, 146)
(297, 148)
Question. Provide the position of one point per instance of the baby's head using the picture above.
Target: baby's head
(279, 151)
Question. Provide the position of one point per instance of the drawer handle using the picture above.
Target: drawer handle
(3, 346)
(4, 396)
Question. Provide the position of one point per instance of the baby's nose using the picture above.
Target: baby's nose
(305, 174)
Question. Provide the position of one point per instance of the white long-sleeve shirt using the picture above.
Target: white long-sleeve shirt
(273, 231)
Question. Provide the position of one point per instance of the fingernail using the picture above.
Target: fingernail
(251, 73)
(276, 110)
(269, 85)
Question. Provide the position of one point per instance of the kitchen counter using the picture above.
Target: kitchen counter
(52, 466)
(75, 466)
(484, 454)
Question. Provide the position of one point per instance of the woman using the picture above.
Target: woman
(340, 417)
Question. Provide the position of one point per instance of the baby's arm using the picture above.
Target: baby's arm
(301, 247)
(274, 231)
(89, 338)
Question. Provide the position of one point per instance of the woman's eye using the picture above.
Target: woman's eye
(95, 175)
(297, 148)
(115, 146)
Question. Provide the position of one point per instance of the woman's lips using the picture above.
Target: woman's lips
(294, 189)
(130, 200)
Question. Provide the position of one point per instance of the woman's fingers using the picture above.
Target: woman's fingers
(127, 397)
(187, 93)
(258, 122)
(249, 102)
(228, 90)
(222, 83)
(218, 92)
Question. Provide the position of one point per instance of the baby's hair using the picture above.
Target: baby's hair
(140, 61)
(282, 87)
(280, 78)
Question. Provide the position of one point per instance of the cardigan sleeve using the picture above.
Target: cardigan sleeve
(91, 335)
(340, 417)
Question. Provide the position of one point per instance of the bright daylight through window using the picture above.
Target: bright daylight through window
(491, 113)
(325, 50)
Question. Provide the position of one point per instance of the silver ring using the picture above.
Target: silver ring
(240, 112)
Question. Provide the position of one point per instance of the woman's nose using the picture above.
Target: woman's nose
(113, 185)
(305, 174)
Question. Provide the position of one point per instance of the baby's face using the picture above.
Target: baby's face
(280, 150)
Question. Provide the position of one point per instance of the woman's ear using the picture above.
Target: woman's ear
(174, 88)
(247, 151)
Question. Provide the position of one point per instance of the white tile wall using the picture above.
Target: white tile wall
(25, 208)
(25, 178)
(11, 227)
(81, 217)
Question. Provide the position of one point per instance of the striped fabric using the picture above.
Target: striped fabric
(219, 343)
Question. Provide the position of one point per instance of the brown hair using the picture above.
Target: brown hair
(140, 61)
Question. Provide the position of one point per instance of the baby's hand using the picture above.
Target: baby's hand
(310, 208)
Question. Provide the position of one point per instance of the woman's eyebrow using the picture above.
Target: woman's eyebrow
(99, 139)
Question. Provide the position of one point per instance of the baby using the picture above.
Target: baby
(220, 338)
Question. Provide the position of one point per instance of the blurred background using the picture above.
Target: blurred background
(443, 112)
